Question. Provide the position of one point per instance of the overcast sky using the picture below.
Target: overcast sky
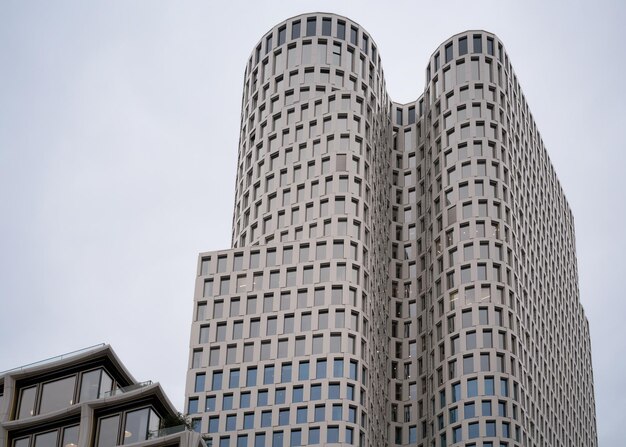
(119, 126)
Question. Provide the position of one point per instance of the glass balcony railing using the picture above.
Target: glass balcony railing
(167, 431)
(127, 389)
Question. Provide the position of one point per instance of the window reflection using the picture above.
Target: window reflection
(70, 437)
(138, 425)
(46, 439)
(61, 393)
(90, 385)
(27, 402)
(108, 430)
(67, 436)
(58, 394)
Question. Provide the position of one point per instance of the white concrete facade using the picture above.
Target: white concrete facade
(400, 274)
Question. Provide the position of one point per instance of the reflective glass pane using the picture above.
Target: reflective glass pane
(46, 439)
(107, 433)
(58, 394)
(136, 428)
(90, 385)
(106, 384)
(70, 437)
(27, 402)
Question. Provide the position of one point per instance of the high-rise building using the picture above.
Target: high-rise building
(87, 398)
(400, 274)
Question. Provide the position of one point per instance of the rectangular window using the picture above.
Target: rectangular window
(303, 371)
(478, 44)
(326, 26)
(448, 51)
(490, 46)
(462, 46)
(199, 385)
(282, 34)
(341, 30)
(354, 36)
(295, 30)
(310, 26)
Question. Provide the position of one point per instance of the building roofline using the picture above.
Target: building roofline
(74, 357)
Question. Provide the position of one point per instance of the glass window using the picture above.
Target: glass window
(462, 46)
(472, 388)
(262, 397)
(486, 407)
(326, 26)
(314, 435)
(58, 394)
(91, 381)
(295, 438)
(341, 30)
(107, 431)
(244, 400)
(200, 381)
(233, 381)
(354, 36)
(248, 421)
(303, 371)
(27, 402)
(472, 430)
(298, 394)
(333, 435)
(467, 318)
(139, 424)
(295, 30)
(469, 410)
(192, 406)
(456, 392)
(320, 413)
(214, 424)
(337, 412)
(301, 415)
(210, 403)
(490, 46)
(316, 392)
(216, 383)
(46, 439)
(70, 436)
(283, 416)
(266, 418)
(478, 44)
(448, 52)
(268, 374)
(468, 364)
(320, 371)
(338, 368)
(310, 26)
(251, 376)
(285, 373)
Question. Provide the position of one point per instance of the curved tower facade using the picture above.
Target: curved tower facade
(400, 274)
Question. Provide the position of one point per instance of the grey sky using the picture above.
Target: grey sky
(118, 141)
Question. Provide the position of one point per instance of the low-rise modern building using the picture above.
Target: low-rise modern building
(86, 399)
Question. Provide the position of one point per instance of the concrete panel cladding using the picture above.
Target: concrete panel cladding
(400, 274)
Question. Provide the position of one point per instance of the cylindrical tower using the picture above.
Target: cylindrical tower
(400, 274)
